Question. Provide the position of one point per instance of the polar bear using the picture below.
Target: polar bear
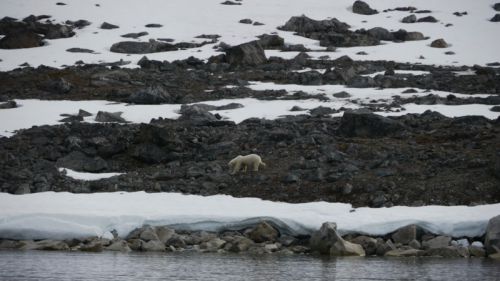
(252, 160)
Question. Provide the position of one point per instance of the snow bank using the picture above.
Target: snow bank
(66, 215)
(87, 176)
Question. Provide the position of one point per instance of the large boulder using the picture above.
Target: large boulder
(196, 113)
(492, 239)
(119, 245)
(304, 25)
(133, 47)
(327, 241)
(439, 43)
(153, 246)
(437, 242)
(250, 53)
(271, 41)
(407, 234)
(381, 33)
(361, 123)
(362, 8)
(150, 95)
(263, 232)
(23, 39)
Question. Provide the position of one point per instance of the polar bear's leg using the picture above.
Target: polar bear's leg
(237, 167)
(245, 167)
(255, 165)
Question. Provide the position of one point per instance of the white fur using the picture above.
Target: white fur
(252, 161)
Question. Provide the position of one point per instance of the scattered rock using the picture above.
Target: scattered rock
(103, 116)
(246, 21)
(360, 7)
(495, 18)
(496, 6)
(8, 104)
(106, 25)
(404, 253)
(439, 43)
(153, 246)
(153, 25)
(119, 245)
(342, 95)
(427, 19)
(271, 41)
(135, 35)
(79, 50)
(79, 23)
(23, 39)
(250, 53)
(409, 19)
(230, 3)
(132, 47)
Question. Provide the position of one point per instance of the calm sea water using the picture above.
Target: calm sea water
(34, 265)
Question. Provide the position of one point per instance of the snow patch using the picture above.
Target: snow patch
(66, 215)
(87, 176)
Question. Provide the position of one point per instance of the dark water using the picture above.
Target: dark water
(33, 265)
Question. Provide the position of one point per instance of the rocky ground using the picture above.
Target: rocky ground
(265, 238)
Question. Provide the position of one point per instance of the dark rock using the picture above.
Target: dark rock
(246, 21)
(342, 95)
(439, 43)
(437, 242)
(60, 4)
(103, 116)
(321, 110)
(230, 3)
(79, 50)
(196, 113)
(409, 19)
(250, 53)
(407, 234)
(230, 106)
(135, 35)
(496, 6)
(290, 178)
(257, 23)
(327, 241)
(80, 162)
(304, 25)
(271, 41)
(74, 118)
(449, 53)
(153, 25)
(365, 124)
(492, 238)
(106, 25)
(132, 47)
(362, 53)
(495, 108)
(495, 18)
(381, 33)
(23, 39)
(151, 95)
(369, 244)
(360, 7)
(263, 232)
(409, 91)
(403, 35)
(427, 19)
(79, 23)
(8, 104)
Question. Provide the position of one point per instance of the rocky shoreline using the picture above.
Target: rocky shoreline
(265, 238)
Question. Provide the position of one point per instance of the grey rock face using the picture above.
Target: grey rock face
(327, 241)
(103, 116)
(360, 7)
(151, 95)
(365, 124)
(407, 234)
(25, 39)
(250, 53)
(409, 19)
(492, 240)
(437, 242)
(263, 232)
(132, 47)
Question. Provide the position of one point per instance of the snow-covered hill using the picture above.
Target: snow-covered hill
(473, 38)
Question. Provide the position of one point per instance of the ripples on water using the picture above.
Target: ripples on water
(34, 265)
